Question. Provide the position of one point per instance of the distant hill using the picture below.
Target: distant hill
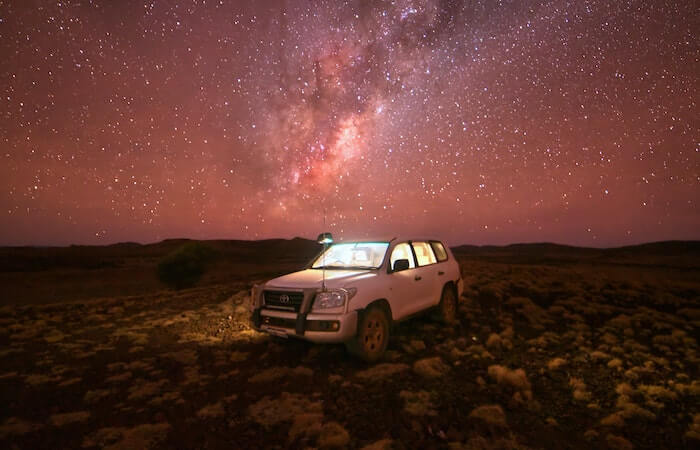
(24, 259)
(684, 254)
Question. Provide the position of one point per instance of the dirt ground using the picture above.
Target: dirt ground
(546, 354)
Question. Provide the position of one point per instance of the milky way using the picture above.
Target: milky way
(475, 122)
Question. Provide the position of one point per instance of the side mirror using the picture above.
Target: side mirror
(325, 238)
(399, 265)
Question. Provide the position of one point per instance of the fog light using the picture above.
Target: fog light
(323, 325)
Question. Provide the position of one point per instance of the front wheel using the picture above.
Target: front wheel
(372, 335)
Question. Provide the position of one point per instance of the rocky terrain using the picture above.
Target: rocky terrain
(556, 347)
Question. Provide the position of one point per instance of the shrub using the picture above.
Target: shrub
(513, 378)
(556, 363)
(185, 266)
(492, 415)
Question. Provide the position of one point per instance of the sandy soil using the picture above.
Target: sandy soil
(546, 355)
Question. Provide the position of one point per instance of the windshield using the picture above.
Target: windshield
(355, 255)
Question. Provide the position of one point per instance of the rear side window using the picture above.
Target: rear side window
(439, 250)
(424, 254)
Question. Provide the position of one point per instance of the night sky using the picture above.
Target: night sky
(476, 122)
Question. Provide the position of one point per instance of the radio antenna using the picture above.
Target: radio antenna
(325, 248)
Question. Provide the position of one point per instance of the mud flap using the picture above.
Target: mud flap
(255, 318)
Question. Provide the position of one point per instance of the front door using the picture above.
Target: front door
(404, 284)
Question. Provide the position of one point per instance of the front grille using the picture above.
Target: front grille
(286, 301)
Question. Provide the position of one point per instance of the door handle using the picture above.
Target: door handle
(417, 278)
(441, 273)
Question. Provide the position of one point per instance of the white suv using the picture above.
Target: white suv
(353, 291)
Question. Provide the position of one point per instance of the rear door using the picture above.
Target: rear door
(428, 287)
(446, 271)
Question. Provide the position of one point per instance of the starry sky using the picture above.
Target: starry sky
(484, 122)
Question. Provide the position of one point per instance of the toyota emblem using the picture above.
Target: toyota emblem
(284, 298)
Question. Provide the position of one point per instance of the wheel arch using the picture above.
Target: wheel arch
(382, 303)
(451, 285)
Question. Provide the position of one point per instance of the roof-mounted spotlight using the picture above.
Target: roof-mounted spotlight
(325, 238)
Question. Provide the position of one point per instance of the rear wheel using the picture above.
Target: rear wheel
(447, 309)
(372, 334)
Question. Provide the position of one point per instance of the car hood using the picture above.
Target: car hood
(311, 278)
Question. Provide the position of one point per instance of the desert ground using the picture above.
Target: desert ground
(556, 347)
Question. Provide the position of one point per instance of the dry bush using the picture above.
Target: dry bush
(616, 364)
(185, 266)
(618, 442)
(490, 296)
(491, 415)
(625, 389)
(479, 352)
(692, 389)
(17, 427)
(501, 341)
(597, 355)
(626, 408)
(380, 371)
(694, 429)
(654, 395)
(516, 379)
(545, 340)
(211, 411)
(147, 435)
(418, 403)
(268, 411)
(556, 363)
(536, 316)
(382, 444)
(333, 435)
(275, 373)
(58, 420)
(691, 314)
(306, 425)
(430, 367)
(580, 393)
(494, 341)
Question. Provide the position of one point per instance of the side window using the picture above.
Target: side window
(402, 251)
(424, 254)
(439, 250)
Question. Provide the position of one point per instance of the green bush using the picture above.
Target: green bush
(185, 266)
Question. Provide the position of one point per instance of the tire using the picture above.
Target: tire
(372, 338)
(447, 309)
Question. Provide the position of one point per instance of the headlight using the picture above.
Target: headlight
(334, 298)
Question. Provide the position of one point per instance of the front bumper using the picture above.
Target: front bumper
(315, 328)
